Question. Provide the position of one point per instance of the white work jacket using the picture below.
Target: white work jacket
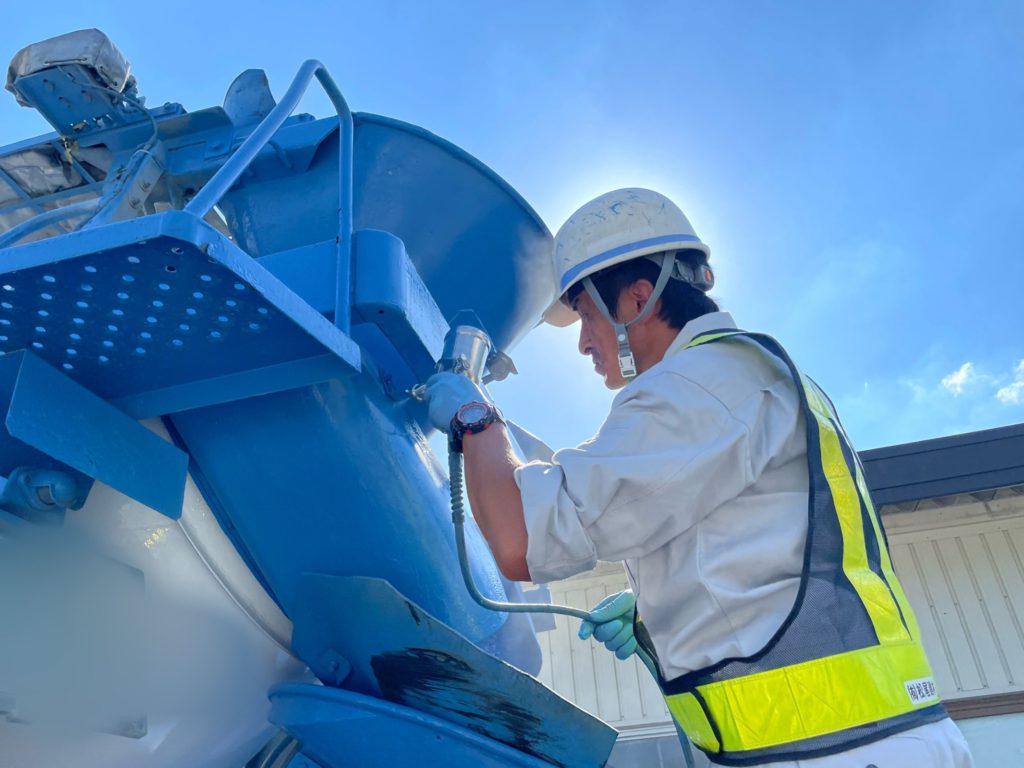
(697, 481)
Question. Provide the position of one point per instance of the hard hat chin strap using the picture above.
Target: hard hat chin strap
(627, 364)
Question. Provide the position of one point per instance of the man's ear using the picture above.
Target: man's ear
(639, 293)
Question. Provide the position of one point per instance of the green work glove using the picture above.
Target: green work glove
(611, 622)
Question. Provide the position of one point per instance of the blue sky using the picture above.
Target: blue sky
(856, 167)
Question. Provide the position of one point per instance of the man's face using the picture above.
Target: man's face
(597, 339)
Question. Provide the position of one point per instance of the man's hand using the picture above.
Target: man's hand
(446, 393)
(611, 622)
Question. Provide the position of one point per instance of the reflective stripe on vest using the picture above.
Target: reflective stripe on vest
(780, 710)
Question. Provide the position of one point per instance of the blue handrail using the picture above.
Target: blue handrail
(229, 173)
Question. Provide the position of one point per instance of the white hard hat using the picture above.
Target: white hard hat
(615, 227)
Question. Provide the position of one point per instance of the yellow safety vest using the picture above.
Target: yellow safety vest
(846, 667)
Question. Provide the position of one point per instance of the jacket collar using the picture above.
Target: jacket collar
(712, 321)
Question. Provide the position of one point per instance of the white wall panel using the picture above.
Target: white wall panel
(966, 583)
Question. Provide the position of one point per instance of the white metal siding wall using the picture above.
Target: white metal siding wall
(966, 584)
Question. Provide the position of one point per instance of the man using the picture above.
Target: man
(723, 480)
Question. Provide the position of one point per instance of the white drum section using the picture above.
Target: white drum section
(215, 643)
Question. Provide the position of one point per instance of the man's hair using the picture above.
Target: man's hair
(680, 302)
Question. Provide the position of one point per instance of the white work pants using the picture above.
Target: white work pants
(936, 745)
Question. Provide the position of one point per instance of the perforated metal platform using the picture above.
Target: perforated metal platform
(161, 314)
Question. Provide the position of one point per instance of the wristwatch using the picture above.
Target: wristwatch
(470, 419)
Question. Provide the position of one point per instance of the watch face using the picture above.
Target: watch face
(472, 413)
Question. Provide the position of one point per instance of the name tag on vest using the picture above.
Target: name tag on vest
(921, 690)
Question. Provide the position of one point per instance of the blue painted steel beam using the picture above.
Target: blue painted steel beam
(33, 143)
(170, 109)
(49, 418)
(235, 386)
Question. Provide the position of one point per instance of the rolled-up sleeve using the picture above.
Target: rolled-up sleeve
(668, 454)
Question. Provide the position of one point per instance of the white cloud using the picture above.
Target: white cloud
(956, 381)
(1013, 393)
(926, 403)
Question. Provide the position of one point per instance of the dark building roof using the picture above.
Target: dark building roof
(946, 466)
